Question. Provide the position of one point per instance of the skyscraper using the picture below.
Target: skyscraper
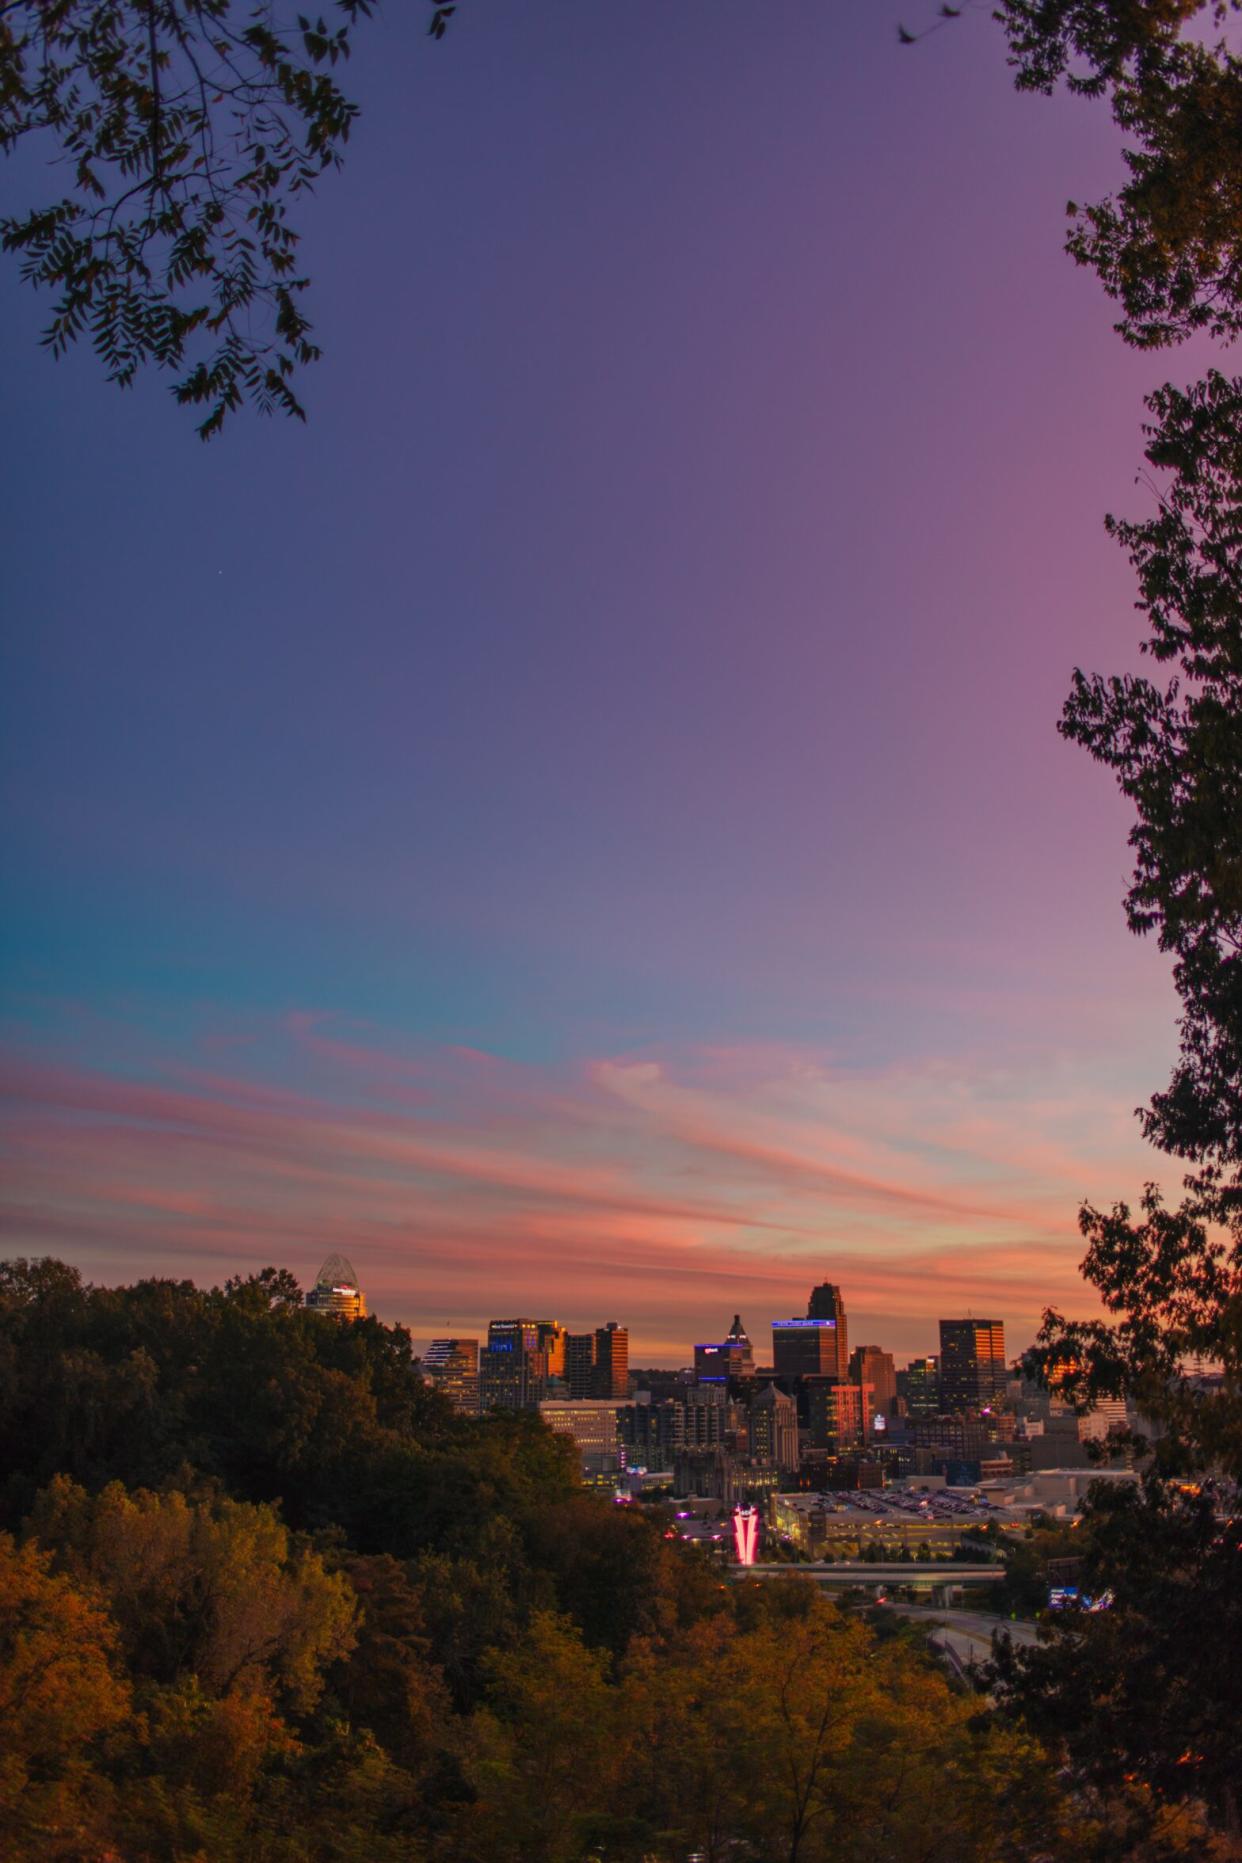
(836, 1414)
(580, 1364)
(826, 1303)
(612, 1361)
(739, 1340)
(733, 1357)
(706, 1414)
(774, 1428)
(810, 1348)
(919, 1386)
(513, 1371)
(336, 1291)
(591, 1423)
(552, 1337)
(872, 1365)
(453, 1367)
(972, 1363)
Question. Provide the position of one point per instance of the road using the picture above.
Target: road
(966, 1636)
(845, 1574)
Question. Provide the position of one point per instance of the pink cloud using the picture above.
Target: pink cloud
(665, 1193)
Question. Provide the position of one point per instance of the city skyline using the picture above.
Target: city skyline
(556, 1340)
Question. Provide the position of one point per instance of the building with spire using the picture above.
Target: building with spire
(731, 1357)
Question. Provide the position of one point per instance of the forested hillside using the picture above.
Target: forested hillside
(262, 1595)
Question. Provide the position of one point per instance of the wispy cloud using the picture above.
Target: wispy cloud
(664, 1190)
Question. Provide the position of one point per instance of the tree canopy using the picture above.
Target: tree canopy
(518, 1669)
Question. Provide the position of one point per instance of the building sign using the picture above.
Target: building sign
(745, 1534)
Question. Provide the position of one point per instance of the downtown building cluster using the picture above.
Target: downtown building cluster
(817, 1415)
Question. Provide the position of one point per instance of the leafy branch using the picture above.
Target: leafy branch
(186, 130)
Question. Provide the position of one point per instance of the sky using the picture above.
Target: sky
(580, 827)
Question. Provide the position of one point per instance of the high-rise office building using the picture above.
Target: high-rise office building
(453, 1367)
(738, 1340)
(774, 1428)
(732, 1357)
(513, 1371)
(919, 1387)
(872, 1365)
(591, 1422)
(706, 1416)
(580, 1364)
(336, 1291)
(826, 1303)
(612, 1361)
(552, 1337)
(836, 1414)
(972, 1363)
(652, 1433)
(810, 1348)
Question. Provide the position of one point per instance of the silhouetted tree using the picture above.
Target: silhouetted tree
(190, 128)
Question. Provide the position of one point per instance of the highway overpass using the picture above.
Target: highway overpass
(940, 1577)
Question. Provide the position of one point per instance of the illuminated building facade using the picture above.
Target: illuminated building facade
(828, 1303)
(336, 1291)
(918, 1386)
(732, 1357)
(652, 1433)
(972, 1364)
(706, 1413)
(809, 1348)
(598, 1364)
(453, 1367)
(513, 1370)
(836, 1414)
(612, 1361)
(872, 1365)
(552, 1339)
(774, 1428)
(591, 1422)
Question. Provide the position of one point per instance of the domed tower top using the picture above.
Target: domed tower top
(337, 1271)
(336, 1290)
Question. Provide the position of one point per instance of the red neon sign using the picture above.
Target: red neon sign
(745, 1534)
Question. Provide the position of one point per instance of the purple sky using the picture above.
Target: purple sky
(580, 827)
